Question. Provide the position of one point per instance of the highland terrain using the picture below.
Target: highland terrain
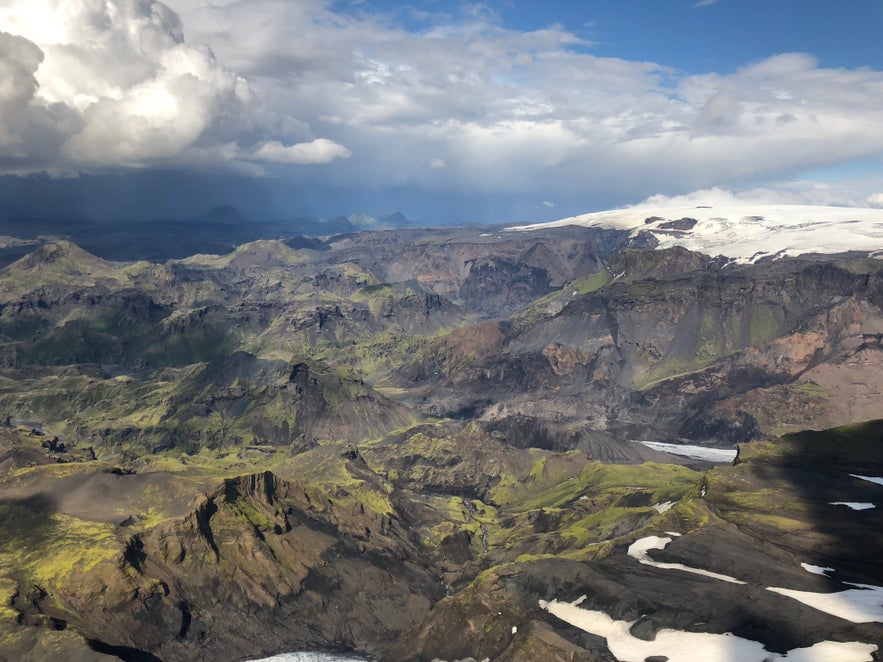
(422, 444)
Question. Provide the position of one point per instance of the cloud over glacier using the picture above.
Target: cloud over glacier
(466, 103)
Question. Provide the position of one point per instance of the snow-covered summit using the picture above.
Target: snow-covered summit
(745, 232)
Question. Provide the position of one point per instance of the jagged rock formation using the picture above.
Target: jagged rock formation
(250, 551)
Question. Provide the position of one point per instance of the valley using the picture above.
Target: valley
(420, 444)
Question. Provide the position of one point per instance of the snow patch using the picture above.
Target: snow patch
(663, 507)
(855, 505)
(638, 551)
(680, 646)
(310, 656)
(816, 569)
(693, 452)
(863, 604)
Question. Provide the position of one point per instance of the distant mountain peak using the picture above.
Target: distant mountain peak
(63, 251)
(397, 219)
(225, 215)
(744, 232)
(386, 222)
(61, 261)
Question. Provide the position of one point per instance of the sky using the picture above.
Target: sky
(447, 111)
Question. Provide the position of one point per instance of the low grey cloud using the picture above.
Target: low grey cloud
(263, 85)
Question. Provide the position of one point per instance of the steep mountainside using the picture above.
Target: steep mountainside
(674, 345)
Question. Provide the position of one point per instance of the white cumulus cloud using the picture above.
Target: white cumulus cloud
(19, 60)
(115, 83)
(779, 193)
(320, 150)
(509, 110)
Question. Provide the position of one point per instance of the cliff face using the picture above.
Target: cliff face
(253, 551)
(716, 355)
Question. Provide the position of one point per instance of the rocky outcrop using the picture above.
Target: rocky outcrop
(254, 551)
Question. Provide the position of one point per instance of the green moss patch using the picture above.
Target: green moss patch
(47, 548)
